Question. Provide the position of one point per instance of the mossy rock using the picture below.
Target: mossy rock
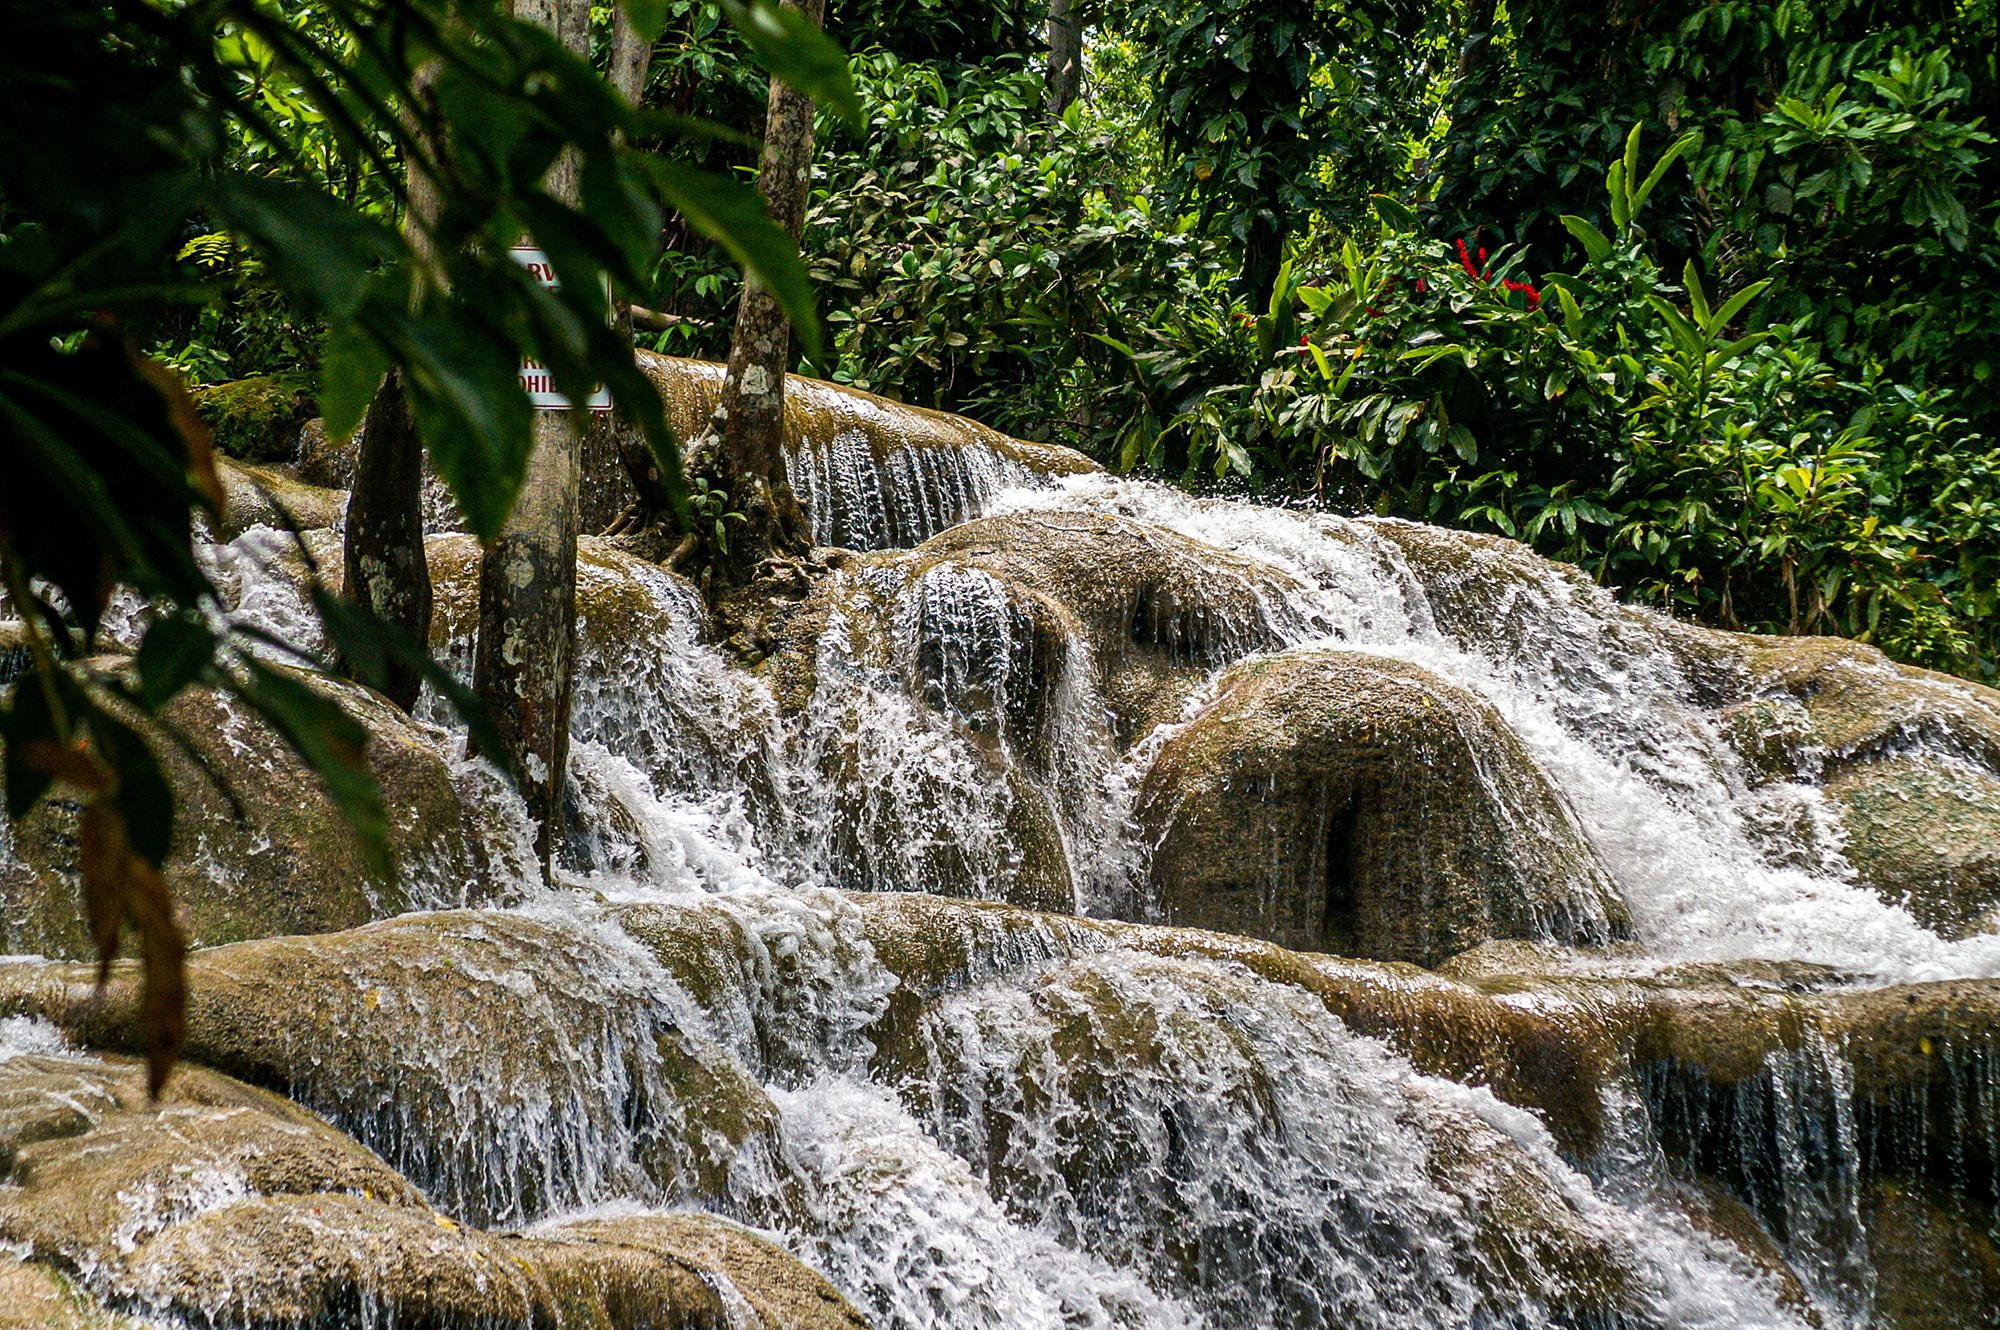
(526, 1057)
(326, 461)
(1936, 1261)
(228, 1205)
(268, 496)
(288, 863)
(258, 418)
(1860, 703)
(1909, 760)
(873, 473)
(1333, 801)
(1925, 834)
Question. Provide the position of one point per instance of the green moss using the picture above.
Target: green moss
(258, 419)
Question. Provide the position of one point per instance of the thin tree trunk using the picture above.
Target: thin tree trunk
(387, 570)
(523, 667)
(1064, 76)
(630, 60)
(751, 416)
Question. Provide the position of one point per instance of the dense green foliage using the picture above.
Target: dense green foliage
(269, 144)
(1744, 369)
(1761, 394)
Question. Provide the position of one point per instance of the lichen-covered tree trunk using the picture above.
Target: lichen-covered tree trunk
(386, 567)
(1064, 77)
(387, 570)
(523, 666)
(751, 416)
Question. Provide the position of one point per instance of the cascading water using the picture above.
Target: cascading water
(999, 1119)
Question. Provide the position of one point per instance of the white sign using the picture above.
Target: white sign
(535, 376)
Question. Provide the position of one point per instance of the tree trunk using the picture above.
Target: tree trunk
(750, 420)
(388, 571)
(523, 667)
(1064, 77)
(613, 443)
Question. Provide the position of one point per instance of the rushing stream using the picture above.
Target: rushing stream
(969, 1116)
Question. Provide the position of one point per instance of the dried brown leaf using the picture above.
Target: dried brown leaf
(163, 953)
(65, 763)
(103, 857)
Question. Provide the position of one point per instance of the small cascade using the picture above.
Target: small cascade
(865, 497)
(1785, 1141)
(1668, 1055)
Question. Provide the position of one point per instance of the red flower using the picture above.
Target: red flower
(1527, 289)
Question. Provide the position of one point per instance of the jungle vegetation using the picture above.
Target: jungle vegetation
(1702, 296)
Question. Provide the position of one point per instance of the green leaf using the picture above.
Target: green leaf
(1630, 165)
(1596, 245)
(332, 743)
(26, 721)
(145, 800)
(1697, 298)
(1572, 312)
(351, 369)
(1736, 303)
(1680, 145)
(463, 378)
(173, 654)
(733, 215)
(788, 44)
(1393, 212)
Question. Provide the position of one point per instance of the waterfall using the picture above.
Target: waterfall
(870, 949)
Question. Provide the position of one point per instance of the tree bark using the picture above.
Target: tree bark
(1064, 76)
(523, 666)
(388, 571)
(750, 420)
(613, 441)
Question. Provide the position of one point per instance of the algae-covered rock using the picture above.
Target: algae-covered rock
(257, 419)
(987, 621)
(1909, 759)
(268, 496)
(234, 1207)
(1925, 833)
(288, 863)
(535, 1063)
(778, 1289)
(873, 473)
(1935, 1258)
(1332, 801)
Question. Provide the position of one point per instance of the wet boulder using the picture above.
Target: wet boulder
(873, 474)
(1332, 801)
(228, 1205)
(537, 1063)
(271, 496)
(1909, 760)
(259, 848)
(1925, 833)
(1937, 1265)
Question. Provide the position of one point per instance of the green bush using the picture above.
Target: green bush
(1610, 417)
